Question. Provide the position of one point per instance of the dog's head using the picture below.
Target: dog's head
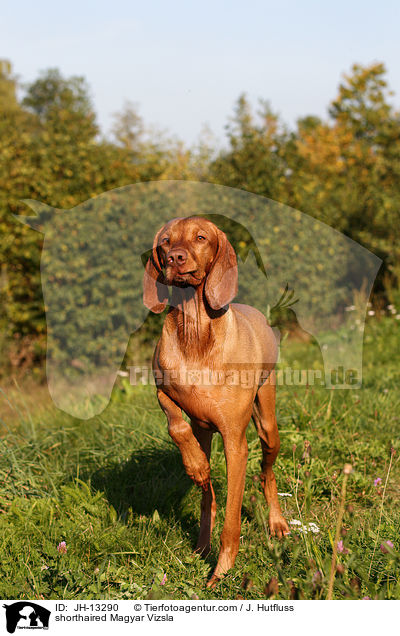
(187, 252)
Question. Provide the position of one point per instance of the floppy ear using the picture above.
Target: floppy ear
(155, 292)
(222, 281)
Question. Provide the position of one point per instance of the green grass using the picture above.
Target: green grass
(114, 489)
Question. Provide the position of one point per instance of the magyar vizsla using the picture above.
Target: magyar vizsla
(215, 362)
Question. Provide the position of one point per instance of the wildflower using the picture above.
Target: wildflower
(313, 527)
(272, 588)
(355, 583)
(247, 583)
(387, 544)
(366, 598)
(307, 452)
(285, 494)
(44, 567)
(316, 579)
(377, 481)
(341, 548)
(294, 592)
(62, 548)
(163, 580)
(310, 527)
(371, 312)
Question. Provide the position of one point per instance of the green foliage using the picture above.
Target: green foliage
(254, 160)
(51, 152)
(8, 98)
(344, 171)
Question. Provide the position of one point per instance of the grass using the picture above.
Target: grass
(114, 489)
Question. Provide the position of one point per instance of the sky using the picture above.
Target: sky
(185, 63)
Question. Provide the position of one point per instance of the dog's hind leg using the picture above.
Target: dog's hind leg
(267, 429)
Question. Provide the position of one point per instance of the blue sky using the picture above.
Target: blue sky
(185, 63)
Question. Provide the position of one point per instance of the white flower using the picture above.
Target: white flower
(371, 312)
(310, 527)
(350, 308)
(285, 494)
(313, 527)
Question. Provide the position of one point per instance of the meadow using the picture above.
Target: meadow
(103, 509)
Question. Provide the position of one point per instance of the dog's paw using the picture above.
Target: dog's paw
(277, 525)
(213, 582)
(200, 474)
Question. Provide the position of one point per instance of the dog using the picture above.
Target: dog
(204, 335)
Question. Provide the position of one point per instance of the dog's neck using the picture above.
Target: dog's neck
(192, 318)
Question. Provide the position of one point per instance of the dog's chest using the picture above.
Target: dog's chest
(193, 382)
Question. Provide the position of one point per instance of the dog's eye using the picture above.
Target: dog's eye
(201, 238)
(165, 240)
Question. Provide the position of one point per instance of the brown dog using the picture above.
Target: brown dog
(233, 351)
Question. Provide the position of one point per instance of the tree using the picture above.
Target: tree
(50, 152)
(348, 169)
(254, 159)
(128, 128)
(8, 97)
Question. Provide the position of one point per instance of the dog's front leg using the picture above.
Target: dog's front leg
(235, 446)
(194, 459)
(208, 503)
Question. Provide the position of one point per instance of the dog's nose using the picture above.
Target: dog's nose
(177, 256)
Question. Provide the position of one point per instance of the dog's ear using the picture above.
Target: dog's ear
(222, 281)
(155, 292)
